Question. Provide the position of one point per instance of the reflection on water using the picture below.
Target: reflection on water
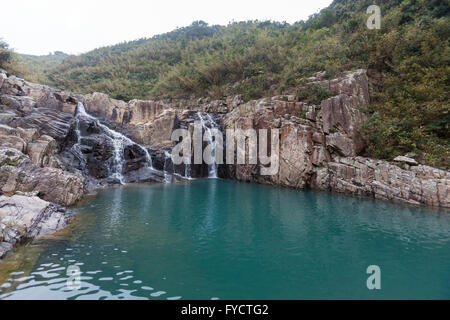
(221, 239)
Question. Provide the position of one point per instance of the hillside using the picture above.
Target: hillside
(38, 66)
(408, 61)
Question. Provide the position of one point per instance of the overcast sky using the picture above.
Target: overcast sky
(43, 26)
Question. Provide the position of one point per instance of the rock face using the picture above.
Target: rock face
(39, 122)
(42, 150)
(18, 173)
(310, 135)
(148, 122)
(320, 145)
(24, 217)
(35, 96)
(383, 180)
(103, 155)
(34, 123)
(29, 163)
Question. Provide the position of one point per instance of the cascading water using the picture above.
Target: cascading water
(187, 171)
(119, 142)
(169, 169)
(208, 124)
(76, 148)
(167, 163)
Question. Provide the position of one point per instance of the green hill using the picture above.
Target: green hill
(407, 59)
(38, 66)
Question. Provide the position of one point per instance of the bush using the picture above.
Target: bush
(5, 54)
(314, 94)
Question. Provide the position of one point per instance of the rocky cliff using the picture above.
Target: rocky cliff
(51, 149)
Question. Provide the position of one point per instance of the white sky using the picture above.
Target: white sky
(43, 26)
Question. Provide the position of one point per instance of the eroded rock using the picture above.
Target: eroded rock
(18, 173)
(24, 218)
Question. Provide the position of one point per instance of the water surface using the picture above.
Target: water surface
(214, 239)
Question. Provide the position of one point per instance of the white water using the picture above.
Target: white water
(168, 175)
(120, 142)
(208, 123)
(76, 148)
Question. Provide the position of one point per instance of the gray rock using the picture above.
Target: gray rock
(4, 248)
(18, 173)
(24, 218)
(382, 180)
(406, 160)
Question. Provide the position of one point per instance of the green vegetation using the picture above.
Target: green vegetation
(314, 94)
(38, 66)
(407, 59)
(5, 54)
(13, 163)
(11, 61)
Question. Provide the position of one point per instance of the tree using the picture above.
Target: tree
(5, 53)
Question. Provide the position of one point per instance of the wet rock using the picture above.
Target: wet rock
(135, 158)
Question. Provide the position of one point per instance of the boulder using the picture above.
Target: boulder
(27, 217)
(341, 144)
(155, 132)
(28, 135)
(6, 117)
(42, 151)
(13, 142)
(42, 96)
(22, 104)
(45, 121)
(18, 173)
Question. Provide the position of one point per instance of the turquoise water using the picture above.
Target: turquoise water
(214, 239)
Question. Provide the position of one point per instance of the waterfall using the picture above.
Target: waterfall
(169, 169)
(119, 141)
(167, 163)
(76, 148)
(208, 123)
(187, 171)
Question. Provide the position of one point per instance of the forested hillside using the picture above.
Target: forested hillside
(407, 59)
(37, 67)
